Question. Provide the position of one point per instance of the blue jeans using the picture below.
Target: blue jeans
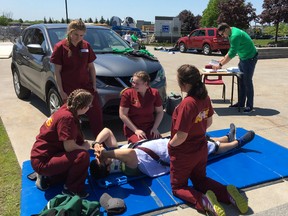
(246, 90)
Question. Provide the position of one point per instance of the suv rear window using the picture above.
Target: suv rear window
(211, 32)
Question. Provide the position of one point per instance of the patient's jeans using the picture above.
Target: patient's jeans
(246, 82)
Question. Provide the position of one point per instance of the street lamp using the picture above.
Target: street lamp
(67, 21)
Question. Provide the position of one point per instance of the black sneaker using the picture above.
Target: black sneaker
(236, 105)
(246, 138)
(232, 133)
(42, 182)
(248, 110)
(82, 194)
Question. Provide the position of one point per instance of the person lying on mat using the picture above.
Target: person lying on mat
(133, 160)
(60, 153)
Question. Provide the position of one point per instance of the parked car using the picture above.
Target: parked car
(206, 40)
(115, 64)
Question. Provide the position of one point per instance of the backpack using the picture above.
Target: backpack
(64, 205)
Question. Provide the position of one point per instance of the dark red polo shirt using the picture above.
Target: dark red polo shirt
(190, 116)
(61, 126)
(74, 72)
(141, 109)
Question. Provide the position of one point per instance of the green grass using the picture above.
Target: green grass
(262, 42)
(10, 177)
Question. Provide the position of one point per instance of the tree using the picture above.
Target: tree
(210, 14)
(45, 21)
(3, 21)
(90, 20)
(50, 20)
(236, 13)
(96, 20)
(107, 22)
(63, 21)
(189, 21)
(102, 20)
(275, 11)
(20, 20)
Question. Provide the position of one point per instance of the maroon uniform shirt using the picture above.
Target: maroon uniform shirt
(61, 126)
(74, 72)
(141, 109)
(190, 117)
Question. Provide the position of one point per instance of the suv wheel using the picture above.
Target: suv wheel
(21, 91)
(206, 49)
(182, 48)
(54, 100)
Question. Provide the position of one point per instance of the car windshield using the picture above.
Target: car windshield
(101, 40)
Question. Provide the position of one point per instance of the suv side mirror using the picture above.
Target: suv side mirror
(35, 49)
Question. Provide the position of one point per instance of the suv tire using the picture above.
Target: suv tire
(21, 91)
(182, 48)
(206, 49)
(54, 100)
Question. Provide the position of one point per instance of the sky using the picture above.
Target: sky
(139, 10)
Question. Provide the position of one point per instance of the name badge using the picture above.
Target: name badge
(84, 50)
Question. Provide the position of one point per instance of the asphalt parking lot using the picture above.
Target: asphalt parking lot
(22, 119)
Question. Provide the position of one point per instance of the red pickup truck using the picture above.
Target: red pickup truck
(204, 40)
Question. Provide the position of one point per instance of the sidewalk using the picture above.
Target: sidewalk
(5, 50)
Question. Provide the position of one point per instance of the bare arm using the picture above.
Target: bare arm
(209, 122)
(107, 137)
(128, 156)
(178, 138)
(70, 145)
(58, 69)
(92, 71)
(158, 118)
(223, 61)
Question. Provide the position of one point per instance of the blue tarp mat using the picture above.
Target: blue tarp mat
(257, 162)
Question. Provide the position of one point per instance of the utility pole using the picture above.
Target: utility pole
(67, 21)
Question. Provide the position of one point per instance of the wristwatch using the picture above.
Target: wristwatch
(94, 143)
(220, 64)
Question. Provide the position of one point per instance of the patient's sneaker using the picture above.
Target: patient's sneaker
(42, 182)
(232, 133)
(246, 138)
(211, 204)
(237, 199)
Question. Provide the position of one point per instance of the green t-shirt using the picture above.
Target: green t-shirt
(241, 44)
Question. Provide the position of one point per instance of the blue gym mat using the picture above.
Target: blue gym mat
(257, 162)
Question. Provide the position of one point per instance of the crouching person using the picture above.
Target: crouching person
(60, 153)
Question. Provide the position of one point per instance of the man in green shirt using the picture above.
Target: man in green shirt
(134, 38)
(241, 44)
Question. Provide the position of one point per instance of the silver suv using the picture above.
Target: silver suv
(115, 64)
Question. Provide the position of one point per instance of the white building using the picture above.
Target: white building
(167, 29)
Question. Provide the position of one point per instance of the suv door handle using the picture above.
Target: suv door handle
(26, 57)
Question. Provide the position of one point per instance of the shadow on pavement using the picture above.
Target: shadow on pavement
(226, 111)
(38, 104)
